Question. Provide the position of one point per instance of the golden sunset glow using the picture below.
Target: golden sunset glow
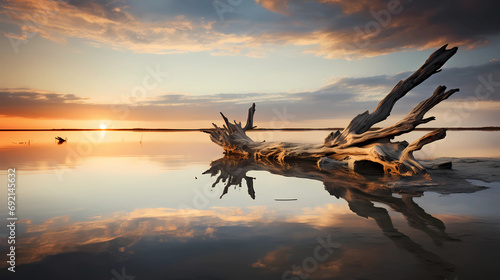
(154, 65)
(115, 162)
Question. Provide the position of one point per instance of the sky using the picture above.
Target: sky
(177, 63)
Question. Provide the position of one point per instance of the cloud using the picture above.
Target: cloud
(326, 28)
(112, 25)
(59, 235)
(275, 6)
(342, 99)
(357, 29)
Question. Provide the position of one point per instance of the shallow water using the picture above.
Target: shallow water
(108, 205)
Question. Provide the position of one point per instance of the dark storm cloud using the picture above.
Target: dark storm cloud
(355, 29)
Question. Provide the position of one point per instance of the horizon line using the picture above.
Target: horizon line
(475, 128)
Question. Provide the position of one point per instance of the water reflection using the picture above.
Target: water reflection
(360, 192)
(119, 207)
(247, 243)
(42, 151)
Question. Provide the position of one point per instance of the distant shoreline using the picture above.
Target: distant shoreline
(486, 128)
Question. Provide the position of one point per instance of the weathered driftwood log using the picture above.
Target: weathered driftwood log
(356, 146)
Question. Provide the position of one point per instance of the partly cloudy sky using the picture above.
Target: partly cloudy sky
(177, 63)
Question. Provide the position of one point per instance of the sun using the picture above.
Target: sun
(102, 126)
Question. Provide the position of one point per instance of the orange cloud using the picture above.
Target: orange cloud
(348, 7)
(277, 6)
(351, 7)
(274, 260)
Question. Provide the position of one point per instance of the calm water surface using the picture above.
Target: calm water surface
(117, 205)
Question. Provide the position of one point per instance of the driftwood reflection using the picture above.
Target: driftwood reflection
(361, 192)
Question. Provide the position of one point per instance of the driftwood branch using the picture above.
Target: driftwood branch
(249, 124)
(356, 146)
(363, 122)
(407, 124)
(407, 159)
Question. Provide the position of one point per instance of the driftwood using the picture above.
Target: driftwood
(356, 146)
(60, 140)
